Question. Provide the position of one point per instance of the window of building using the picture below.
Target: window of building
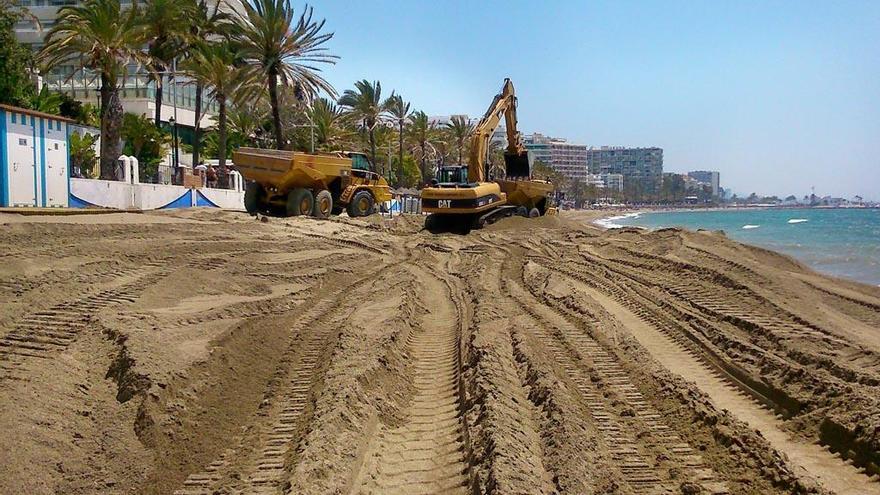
(22, 142)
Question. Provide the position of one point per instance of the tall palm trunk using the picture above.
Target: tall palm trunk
(221, 141)
(158, 99)
(197, 128)
(111, 125)
(373, 150)
(424, 163)
(276, 112)
(400, 157)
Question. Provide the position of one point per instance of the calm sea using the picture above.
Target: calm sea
(842, 242)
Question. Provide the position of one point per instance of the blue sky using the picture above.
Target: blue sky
(777, 96)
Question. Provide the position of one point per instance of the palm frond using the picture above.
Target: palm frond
(274, 44)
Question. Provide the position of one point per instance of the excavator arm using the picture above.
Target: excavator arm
(516, 156)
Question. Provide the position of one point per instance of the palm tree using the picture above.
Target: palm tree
(443, 144)
(460, 129)
(47, 101)
(496, 159)
(16, 59)
(206, 24)
(246, 119)
(327, 120)
(215, 66)
(281, 52)
(365, 105)
(384, 143)
(421, 130)
(106, 39)
(399, 110)
(166, 24)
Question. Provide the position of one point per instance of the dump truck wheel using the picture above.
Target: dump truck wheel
(253, 197)
(361, 204)
(323, 204)
(300, 202)
(534, 213)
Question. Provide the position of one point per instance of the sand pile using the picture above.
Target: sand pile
(201, 351)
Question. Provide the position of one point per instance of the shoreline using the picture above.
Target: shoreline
(608, 222)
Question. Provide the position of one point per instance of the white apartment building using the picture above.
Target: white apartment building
(708, 177)
(567, 158)
(612, 182)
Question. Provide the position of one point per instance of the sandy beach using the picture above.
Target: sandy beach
(203, 351)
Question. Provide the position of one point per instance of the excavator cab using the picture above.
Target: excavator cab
(451, 175)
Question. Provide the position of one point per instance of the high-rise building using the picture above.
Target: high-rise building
(612, 182)
(641, 168)
(566, 158)
(709, 177)
(539, 147)
(138, 89)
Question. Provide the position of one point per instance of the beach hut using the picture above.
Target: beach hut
(34, 158)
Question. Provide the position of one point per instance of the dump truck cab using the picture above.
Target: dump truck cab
(359, 161)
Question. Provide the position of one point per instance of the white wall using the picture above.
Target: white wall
(154, 196)
(224, 198)
(125, 196)
(105, 193)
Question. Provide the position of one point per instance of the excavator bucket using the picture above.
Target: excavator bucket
(517, 164)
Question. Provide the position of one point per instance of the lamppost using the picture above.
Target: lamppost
(174, 156)
(173, 119)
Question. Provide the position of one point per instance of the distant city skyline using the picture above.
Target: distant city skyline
(777, 96)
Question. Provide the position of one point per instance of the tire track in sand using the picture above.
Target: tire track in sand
(425, 455)
(808, 459)
(263, 458)
(43, 334)
(634, 455)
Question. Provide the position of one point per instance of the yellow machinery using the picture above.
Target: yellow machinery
(288, 183)
(461, 196)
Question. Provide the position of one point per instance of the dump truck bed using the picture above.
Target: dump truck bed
(528, 193)
(283, 170)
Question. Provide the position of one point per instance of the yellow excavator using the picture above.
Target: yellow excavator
(461, 197)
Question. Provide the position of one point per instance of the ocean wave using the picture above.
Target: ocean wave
(797, 220)
(611, 222)
(747, 227)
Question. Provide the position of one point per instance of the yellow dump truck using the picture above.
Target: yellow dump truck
(289, 183)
